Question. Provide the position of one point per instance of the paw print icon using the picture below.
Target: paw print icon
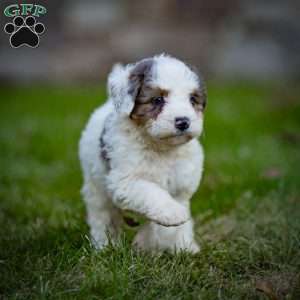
(24, 32)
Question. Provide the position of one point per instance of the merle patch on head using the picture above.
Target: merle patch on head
(139, 76)
(148, 100)
(24, 31)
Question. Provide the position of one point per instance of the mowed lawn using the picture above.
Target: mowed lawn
(247, 209)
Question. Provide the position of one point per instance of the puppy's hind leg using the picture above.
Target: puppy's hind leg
(102, 217)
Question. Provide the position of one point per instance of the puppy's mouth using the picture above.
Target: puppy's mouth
(177, 138)
(176, 135)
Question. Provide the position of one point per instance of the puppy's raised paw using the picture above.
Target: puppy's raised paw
(173, 215)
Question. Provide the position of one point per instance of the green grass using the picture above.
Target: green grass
(247, 209)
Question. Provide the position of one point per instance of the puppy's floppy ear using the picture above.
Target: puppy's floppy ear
(125, 84)
(117, 87)
(202, 84)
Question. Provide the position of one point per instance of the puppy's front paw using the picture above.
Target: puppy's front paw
(172, 215)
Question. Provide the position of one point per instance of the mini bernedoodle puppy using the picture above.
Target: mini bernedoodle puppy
(140, 153)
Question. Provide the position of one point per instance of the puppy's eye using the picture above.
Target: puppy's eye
(198, 102)
(193, 100)
(158, 100)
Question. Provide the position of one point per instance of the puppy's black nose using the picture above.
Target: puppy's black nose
(182, 123)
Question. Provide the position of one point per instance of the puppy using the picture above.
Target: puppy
(139, 152)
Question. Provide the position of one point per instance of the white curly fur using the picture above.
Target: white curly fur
(153, 171)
